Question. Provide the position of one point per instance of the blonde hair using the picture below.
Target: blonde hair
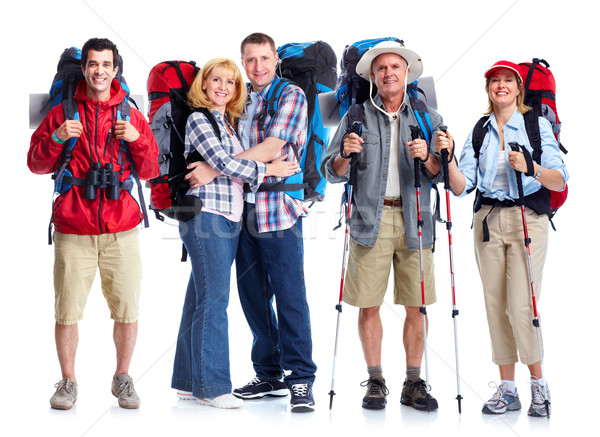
(198, 98)
(521, 106)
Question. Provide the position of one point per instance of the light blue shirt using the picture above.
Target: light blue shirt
(481, 173)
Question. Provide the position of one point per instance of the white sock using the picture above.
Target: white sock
(540, 381)
(510, 386)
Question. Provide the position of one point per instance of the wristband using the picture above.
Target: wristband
(56, 139)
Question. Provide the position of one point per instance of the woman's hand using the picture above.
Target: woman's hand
(201, 174)
(281, 168)
(517, 161)
(444, 141)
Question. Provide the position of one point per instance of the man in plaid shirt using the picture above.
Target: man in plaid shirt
(269, 261)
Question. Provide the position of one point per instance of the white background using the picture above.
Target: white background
(457, 41)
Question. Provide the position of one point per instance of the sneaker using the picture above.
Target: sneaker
(538, 400)
(415, 393)
(65, 395)
(226, 401)
(302, 400)
(376, 393)
(502, 401)
(122, 389)
(185, 395)
(257, 388)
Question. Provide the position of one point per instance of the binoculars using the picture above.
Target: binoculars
(105, 178)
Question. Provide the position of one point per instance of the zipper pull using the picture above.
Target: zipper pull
(108, 140)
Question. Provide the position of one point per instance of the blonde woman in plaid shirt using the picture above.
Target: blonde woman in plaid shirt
(201, 368)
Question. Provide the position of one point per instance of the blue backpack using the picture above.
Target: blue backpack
(312, 67)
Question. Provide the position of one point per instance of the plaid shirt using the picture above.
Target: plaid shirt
(275, 210)
(218, 195)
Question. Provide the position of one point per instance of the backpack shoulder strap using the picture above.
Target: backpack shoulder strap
(479, 132)
(421, 113)
(124, 113)
(211, 118)
(271, 100)
(195, 155)
(532, 126)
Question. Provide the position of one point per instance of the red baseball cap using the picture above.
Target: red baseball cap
(504, 64)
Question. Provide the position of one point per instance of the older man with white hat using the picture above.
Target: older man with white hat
(383, 224)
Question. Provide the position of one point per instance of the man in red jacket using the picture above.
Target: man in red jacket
(96, 228)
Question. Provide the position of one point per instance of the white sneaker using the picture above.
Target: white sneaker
(225, 401)
(185, 395)
(540, 393)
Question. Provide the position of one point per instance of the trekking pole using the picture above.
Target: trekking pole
(445, 161)
(416, 133)
(355, 127)
(536, 322)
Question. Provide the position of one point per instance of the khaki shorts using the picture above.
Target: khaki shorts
(369, 267)
(76, 260)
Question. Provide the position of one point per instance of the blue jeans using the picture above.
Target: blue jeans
(202, 355)
(270, 266)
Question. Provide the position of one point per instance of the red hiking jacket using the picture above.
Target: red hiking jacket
(71, 212)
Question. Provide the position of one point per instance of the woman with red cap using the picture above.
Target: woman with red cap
(498, 229)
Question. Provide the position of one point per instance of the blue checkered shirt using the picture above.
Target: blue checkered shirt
(218, 195)
(275, 210)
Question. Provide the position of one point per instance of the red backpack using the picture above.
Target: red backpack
(540, 95)
(168, 85)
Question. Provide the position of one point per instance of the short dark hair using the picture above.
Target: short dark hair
(258, 38)
(99, 44)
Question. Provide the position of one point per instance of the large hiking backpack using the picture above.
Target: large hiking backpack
(311, 66)
(540, 95)
(68, 75)
(168, 111)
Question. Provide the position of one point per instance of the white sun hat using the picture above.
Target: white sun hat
(363, 68)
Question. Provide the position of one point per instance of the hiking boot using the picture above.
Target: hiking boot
(258, 388)
(302, 400)
(415, 393)
(226, 401)
(538, 401)
(65, 395)
(376, 393)
(502, 401)
(122, 389)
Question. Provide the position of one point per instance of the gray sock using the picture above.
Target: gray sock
(375, 372)
(413, 373)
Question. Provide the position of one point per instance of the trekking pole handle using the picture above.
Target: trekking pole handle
(515, 147)
(355, 127)
(445, 155)
(416, 133)
(352, 128)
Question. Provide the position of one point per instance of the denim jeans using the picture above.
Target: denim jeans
(202, 355)
(269, 267)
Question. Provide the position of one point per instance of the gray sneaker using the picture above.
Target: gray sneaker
(502, 401)
(65, 395)
(539, 394)
(122, 389)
